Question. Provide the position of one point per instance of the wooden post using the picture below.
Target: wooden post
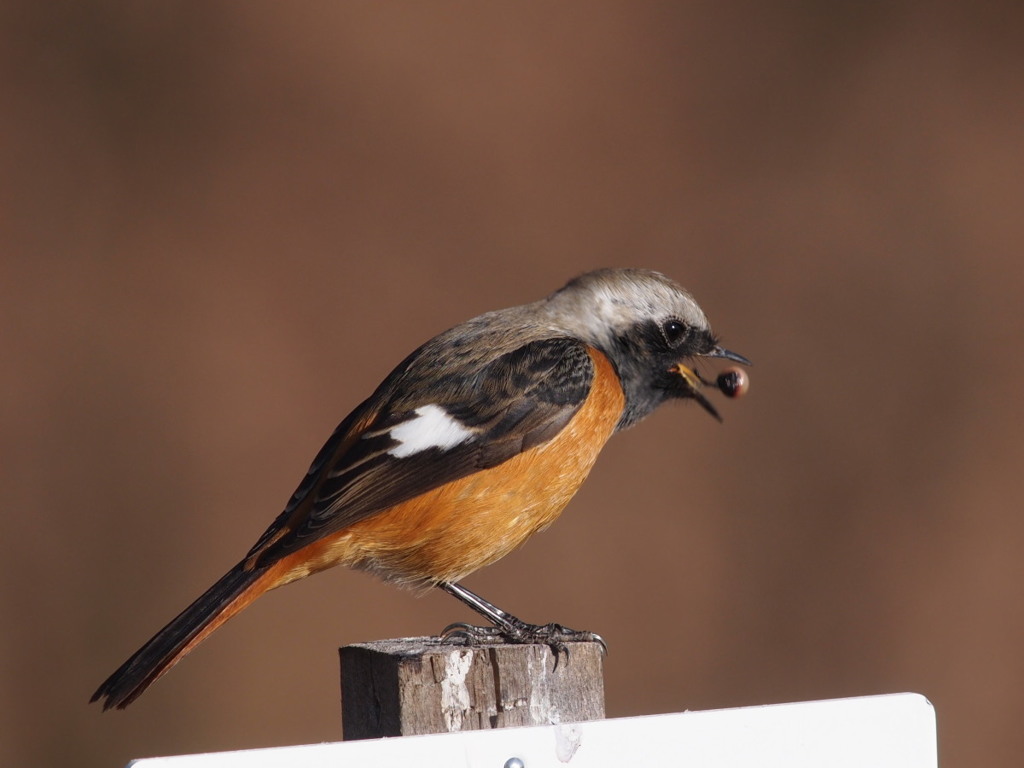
(421, 685)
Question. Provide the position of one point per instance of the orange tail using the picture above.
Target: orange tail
(233, 592)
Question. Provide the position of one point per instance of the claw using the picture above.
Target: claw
(554, 636)
(508, 629)
(472, 634)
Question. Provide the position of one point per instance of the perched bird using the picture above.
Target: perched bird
(476, 441)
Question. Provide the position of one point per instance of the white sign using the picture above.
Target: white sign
(892, 731)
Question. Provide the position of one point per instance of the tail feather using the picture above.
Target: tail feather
(235, 590)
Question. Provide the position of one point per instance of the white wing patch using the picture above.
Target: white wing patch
(432, 427)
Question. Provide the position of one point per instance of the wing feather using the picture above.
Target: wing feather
(518, 400)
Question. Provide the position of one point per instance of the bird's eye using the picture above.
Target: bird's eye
(675, 332)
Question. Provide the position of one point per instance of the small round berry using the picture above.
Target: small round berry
(734, 382)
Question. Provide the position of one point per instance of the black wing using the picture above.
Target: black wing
(519, 400)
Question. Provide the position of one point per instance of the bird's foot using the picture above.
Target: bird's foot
(515, 631)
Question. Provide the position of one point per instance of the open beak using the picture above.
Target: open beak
(694, 381)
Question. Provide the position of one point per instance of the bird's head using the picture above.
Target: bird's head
(654, 333)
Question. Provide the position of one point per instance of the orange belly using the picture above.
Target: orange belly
(447, 533)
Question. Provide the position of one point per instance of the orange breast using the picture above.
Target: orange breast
(447, 533)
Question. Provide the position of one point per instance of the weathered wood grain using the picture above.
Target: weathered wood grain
(421, 685)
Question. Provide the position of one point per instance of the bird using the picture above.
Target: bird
(475, 441)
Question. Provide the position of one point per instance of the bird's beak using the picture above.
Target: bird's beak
(725, 354)
(694, 382)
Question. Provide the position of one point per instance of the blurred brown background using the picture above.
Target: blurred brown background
(223, 223)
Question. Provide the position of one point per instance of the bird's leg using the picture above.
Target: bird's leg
(508, 628)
